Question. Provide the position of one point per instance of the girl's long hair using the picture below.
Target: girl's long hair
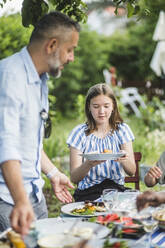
(115, 118)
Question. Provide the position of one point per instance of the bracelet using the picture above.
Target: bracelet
(52, 172)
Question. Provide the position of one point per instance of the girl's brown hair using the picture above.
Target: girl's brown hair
(114, 120)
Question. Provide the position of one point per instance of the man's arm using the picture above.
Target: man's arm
(150, 198)
(59, 181)
(22, 214)
(152, 176)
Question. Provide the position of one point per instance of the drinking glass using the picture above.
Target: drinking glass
(109, 196)
(149, 226)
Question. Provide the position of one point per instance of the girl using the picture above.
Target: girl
(103, 130)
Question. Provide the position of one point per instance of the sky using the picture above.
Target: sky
(12, 6)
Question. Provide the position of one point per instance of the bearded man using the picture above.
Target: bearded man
(23, 116)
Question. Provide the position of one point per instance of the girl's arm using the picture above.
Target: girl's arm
(78, 168)
(128, 161)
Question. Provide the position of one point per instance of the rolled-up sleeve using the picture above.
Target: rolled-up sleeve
(10, 105)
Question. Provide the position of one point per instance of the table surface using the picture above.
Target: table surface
(158, 238)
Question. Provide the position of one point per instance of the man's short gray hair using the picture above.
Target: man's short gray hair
(51, 23)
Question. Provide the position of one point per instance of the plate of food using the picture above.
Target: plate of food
(84, 209)
(121, 243)
(106, 155)
(57, 241)
(76, 228)
(159, 215)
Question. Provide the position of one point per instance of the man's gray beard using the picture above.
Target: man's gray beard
(55, 73)
(54, 70)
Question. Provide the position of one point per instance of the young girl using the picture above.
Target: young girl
(104, 129)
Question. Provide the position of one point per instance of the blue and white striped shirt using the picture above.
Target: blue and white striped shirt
(113, 141)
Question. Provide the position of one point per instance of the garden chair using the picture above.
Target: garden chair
(136, 178)
(131, 97)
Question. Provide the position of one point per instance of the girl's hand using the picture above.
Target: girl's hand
(124, 158)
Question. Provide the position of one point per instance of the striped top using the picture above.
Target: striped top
(86, 144)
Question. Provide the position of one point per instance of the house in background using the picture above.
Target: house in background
(105, 21)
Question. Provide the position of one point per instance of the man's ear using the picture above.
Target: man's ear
(51, 45)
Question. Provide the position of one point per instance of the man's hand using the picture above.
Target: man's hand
(149, 198)
(21, 217)
(155, 172)
(60, 182)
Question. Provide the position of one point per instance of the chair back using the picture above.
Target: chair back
(136, 178)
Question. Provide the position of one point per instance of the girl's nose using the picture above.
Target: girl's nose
(101, 110)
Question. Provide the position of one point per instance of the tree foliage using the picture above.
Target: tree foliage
(90, 59)
(33, 10)
(129, 51)
(13, 36)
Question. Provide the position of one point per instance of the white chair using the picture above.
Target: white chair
(107, 76)
(131, 97)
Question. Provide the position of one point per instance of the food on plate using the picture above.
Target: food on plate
(83, 232)
(159, 215)
(107, 151)
(128, 222)
(12, 240)
(89, 208)
(16, 239)
(57, 241)
(117, 244)
(5, 243)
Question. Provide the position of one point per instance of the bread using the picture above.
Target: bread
(16, 239)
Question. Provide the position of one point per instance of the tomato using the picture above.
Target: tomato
(100, 219)
(111, 217)
(116, 245)
(129, 230)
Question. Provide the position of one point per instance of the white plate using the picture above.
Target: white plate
(51, 226)
(66, 209)
(57, 241)
(102, 156)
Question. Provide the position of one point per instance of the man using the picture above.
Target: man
(23, 101)
(156, 174)
(150, 198)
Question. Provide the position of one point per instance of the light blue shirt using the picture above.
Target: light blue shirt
(112, 141)
(23, 95)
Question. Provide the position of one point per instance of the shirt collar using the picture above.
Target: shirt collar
(32, 74)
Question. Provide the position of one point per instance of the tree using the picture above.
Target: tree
(13, 36)
(33, 10)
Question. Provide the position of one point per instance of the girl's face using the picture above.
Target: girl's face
(101, 108)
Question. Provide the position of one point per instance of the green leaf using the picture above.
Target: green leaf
(130, 9)
(32, 11)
